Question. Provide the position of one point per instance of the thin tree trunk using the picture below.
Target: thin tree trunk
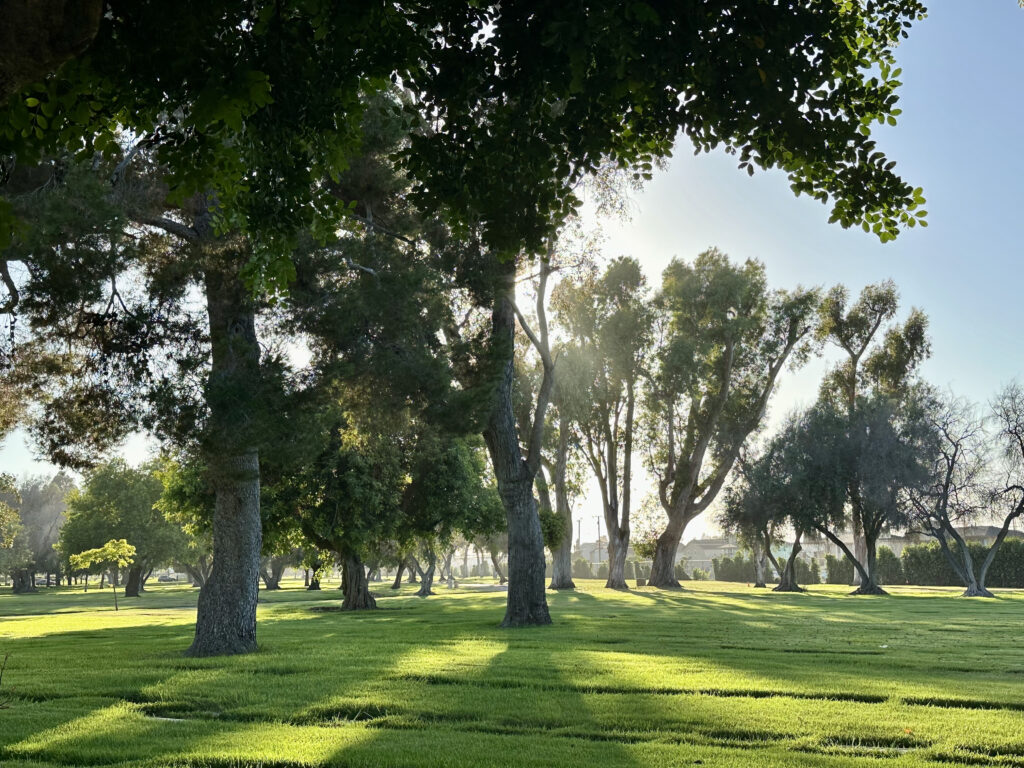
(414, 570)
(561, 558)
(398, 576)
(354, 585)
(527, 601)
(496, 564)
(226, 620)
(862, 574)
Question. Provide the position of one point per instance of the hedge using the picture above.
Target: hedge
(924, 564)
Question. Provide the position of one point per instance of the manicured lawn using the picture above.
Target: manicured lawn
(720, 675)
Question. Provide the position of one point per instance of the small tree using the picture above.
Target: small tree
(116, 553)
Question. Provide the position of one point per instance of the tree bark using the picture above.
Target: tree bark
(527, 602)
(496, 565)
(618, 547)
(870, 585)
(663, 567)
(226, 621)
(23, 581)
(427, 577)
(787, 581)
(354, 585)
(398, 576)
(133, 584)
(561, 558)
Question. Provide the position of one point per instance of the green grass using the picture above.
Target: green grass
(719, 675)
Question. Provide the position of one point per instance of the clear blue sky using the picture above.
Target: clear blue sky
(961, 137)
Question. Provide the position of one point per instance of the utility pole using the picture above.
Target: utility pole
(579, 527)
(598, 518)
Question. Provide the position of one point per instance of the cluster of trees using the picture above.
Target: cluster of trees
(881, 450)
(31, 515)
(171, 231)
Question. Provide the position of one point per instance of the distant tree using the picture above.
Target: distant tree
(975, 474)
(879, 361)
(607, 320)
(749, 513)
(186, 501)
(724, 338)
(117, 501)
(40, 504)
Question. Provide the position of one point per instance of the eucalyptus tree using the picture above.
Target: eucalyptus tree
(607, 321)
(881, 360)
(721, 342)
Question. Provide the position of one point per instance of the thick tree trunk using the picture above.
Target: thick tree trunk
(133, 585)
(354, 585)
(663, 568)
(398, 576)
(226, 621)
(618, 547)
(427, 577)
(527, 602)
(23, 581)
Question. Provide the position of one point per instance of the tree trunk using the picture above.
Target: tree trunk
(663, 567)
(226, 621)
(760, 563)
(427, 577)
(414, 568)
(23, 581)
(787, 581)
(496, 564)
(618, 547)
(354, 585)
(561, 558)
(527, 602)
(398, 576)
(870, 586)
(450, 577)
(133, 585)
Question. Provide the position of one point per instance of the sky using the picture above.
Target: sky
(960, 137)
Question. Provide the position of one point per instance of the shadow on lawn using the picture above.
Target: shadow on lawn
(439, 675)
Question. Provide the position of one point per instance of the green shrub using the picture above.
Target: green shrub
(699, 574)
(681, 573)
(839, 570)
(581, 569)
(888, 567)
(602, 571)
(629, 571)
(736, 568)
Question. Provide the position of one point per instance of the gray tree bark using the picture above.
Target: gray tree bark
(133, 585)
(226, 619)
(527, 602)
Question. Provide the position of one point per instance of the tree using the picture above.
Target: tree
(975, 474)
(723, 340)
(117, 501)
(884, 365)
(116, 553)
(749, 512)
(515, 99)
(39, 503)
(187, 502)
(608, 321)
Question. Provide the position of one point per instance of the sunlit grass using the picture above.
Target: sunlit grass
(716, 675)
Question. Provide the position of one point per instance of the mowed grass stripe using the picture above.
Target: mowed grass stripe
(721, 674)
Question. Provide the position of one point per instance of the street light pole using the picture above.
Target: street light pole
(598, 518)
